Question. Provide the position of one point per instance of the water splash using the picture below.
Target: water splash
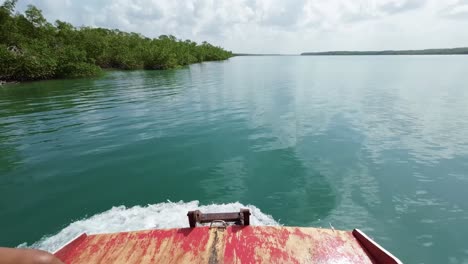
(161, 215)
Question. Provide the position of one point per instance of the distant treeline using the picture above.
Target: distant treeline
(454, 51)
(32, 48)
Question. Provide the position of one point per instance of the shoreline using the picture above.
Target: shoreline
(105, 70)
(2, 82)
(443, 51)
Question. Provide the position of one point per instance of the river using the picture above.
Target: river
(372, 142)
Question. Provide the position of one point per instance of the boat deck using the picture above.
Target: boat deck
(232, 244)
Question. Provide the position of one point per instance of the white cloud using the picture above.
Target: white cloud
(456, 10)
(278, 26)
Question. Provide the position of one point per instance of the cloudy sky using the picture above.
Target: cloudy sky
(278, 26)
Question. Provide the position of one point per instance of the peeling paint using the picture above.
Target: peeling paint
(234, 244)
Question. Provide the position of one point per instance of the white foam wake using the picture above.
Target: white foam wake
(161, 215)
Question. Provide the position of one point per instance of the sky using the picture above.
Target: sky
(277, 26)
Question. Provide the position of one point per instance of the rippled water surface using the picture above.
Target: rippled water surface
(378, 143)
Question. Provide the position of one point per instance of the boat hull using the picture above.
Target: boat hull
(232, 244)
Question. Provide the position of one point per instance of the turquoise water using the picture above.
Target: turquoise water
(378, 143)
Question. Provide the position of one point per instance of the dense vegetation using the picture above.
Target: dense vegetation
(454, 51)
(32, 48)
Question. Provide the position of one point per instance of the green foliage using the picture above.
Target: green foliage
(7, 65)
(78, 69)
(73, 63)
(9, 6)
(35, 17)
(33, 62)
(31, 48)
